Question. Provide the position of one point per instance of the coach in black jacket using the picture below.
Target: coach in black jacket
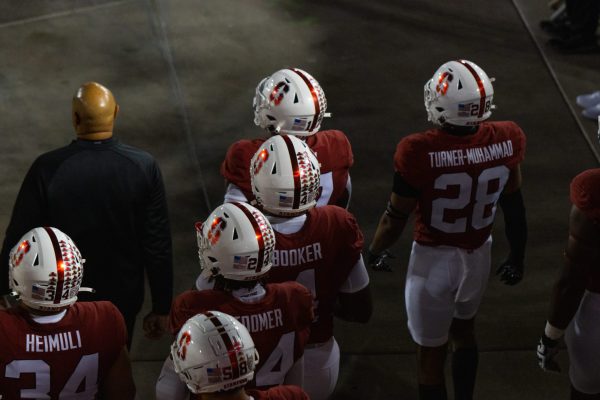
(109, 198)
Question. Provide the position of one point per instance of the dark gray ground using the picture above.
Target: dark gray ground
(184, 73)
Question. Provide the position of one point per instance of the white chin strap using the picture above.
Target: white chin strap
(87, 289)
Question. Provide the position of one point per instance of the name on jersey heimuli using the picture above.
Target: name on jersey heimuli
(292, 257)
(57, 342)
(474, 155)
(263, 321)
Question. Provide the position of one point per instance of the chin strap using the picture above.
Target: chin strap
(87, 289)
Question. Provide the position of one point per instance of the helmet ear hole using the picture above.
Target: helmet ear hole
(36, 262)
(440, 109)
(235, 234)
(274, 169)
(212, 259)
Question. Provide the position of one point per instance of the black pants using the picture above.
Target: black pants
(583, 15)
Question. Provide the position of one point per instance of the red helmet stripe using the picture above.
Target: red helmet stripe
(60, 266)
(482, 93)
(258, 233)
(231, 350)
(315, 97)
(295, 169)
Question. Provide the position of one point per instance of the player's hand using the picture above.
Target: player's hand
(155, 325)
(547, 349)
(510, 271)
(377, 261)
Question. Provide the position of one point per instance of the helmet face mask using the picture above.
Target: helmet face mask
(285, 176)
(46, 269)
(459, 93)
(214, 352)
(289, 102)
(236, 241)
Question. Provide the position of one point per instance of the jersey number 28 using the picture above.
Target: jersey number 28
(481, 198)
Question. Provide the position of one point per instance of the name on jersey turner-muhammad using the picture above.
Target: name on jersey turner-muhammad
(474, 155)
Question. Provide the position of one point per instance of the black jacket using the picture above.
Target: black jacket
(110, 199)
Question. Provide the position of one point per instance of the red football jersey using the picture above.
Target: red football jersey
(333, 151)
(279, 324)
(585, 195)
(287, 392)
(459, 179)
(63, 359)
(320, 256)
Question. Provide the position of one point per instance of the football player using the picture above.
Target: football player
(292, 102)
(215, 356)
(53, 347)
(317, 247)
(452, 177)
(236, 245)
(575, 303)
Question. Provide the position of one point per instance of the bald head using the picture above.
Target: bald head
(94, 111)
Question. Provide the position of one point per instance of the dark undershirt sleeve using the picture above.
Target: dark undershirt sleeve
(403, 188)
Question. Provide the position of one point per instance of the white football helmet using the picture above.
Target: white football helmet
(46, 269)
(285, 176)
(214, 352)
(236, 241)
(290, 102)
(459, 93)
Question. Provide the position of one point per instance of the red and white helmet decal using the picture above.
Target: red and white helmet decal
(479, 82)
(318, 98)
(264, 235)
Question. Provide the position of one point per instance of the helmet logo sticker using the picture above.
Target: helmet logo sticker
(216, 228)
(23, 249)
(279, 92)
(263, 156)
(443, 85)
(183, 343)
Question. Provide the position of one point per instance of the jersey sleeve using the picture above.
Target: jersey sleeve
(333, 150)
(405, 163)
(343, 149)
(585, 193)
(113, 326)
(352, 237)
(119, 329)
(518, 140)
(302, 300)
(181, 311)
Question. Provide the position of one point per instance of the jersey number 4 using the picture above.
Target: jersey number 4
(280, 361)
(478, 192)
(82, 384)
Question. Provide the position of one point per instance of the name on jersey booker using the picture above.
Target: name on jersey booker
(49, 343)
(470, 156)
(299, 256)
(263, 321)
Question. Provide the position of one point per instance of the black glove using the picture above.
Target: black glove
(547, 349)
(377, 261)
(510, 271)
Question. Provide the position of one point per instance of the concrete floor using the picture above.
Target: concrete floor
(184, 73)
